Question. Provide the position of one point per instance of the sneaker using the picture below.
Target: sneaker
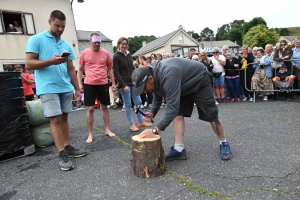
(134, 128)
(238, 100)
(144, 124)
(142, 106)
(225, 151)
(73, 152)
(64, 161)
(265, 98)
(224, 100)
(123, 108)
(232, 100)
(117, 101)
(216, 102)
(114, 105)
(251, 99)
(175, 155)
(219, 100)
(245, 99)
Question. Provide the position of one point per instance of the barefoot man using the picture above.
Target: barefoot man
(96, 63)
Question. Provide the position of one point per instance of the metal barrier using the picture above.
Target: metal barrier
(292, 89)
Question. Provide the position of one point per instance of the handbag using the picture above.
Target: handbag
(217, 74)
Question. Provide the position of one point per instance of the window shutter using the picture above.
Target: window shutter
(2, 30)
(28, 17)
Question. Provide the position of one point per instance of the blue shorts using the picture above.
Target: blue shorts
(219, 81)
(56, 104)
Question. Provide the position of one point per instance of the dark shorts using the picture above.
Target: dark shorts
(204, 99)
(91, 92)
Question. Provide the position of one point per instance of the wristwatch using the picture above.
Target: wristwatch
(154, 130)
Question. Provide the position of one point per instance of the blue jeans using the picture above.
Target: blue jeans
(127, 102)
(233, 87)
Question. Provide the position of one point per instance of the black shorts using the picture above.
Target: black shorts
(204, 99)
(91, 92)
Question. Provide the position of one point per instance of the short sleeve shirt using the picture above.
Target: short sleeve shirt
(27, 88)
(54, 78)
(217, 66)
(95, 65)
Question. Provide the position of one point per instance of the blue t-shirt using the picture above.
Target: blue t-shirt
(54, 78)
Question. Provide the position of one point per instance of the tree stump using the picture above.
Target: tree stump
(148, 157)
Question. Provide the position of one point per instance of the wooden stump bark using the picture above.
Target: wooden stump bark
(148, 157)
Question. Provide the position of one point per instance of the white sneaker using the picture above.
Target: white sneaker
(265, 98)
(217, 102)
(117, 101)
(123, 109)
(251, 99)
(245, 99)
(142, 106)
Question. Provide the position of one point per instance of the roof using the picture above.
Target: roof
(85, 35)
(220, 43)
(288, 38)
(162, 41)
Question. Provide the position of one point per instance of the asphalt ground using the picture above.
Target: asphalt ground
(264, 138)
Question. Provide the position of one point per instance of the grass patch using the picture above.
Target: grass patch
(197, 188)
(296, 123)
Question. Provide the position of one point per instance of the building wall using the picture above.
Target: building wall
(105, 45)
(13, 46)
(175, 41)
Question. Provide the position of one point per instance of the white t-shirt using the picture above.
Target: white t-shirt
(217, 66)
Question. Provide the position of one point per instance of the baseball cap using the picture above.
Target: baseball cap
(215, 49)
(96, 38)
(139, 78)
(282, 66)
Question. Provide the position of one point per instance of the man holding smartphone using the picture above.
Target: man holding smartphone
(96, 63)
(55, 79)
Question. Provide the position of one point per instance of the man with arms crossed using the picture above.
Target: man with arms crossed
(55, 80)
(96, 63)
(183, 82)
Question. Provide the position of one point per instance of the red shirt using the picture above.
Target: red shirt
(95, 64)
(27, 87)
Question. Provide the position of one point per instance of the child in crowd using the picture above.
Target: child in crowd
(284, 80)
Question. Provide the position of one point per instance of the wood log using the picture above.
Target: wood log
(148, 157)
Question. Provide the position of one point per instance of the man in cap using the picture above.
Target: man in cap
(96, 62)
(182, 82)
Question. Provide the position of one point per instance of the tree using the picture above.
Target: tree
(237, 24)
(115, 49)
(236, 35)
(284, 31)
(222, 32)
(259, 36)
(136, 42)
(206, 34)
(194, 35)
(254, 22)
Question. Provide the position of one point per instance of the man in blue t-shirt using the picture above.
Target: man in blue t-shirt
(55, 79)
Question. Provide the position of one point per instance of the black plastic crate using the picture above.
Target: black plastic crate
(12, 102)
(10, 83)
(12, 93)
(8, 75)
(10, 118)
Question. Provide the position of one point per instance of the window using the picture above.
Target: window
(180, 38)
(13, 22)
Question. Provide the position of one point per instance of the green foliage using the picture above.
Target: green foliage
(236, 35)
(237, 24)
(136, 42)
(222, 32)
(284, 32)
(259, 36)
(206, 34)
(254, 22)
(194, 35)
(115, 49)
(294, 31)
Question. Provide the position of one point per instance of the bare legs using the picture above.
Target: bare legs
(90, 122)
(179, 128)
(60, 131)
(219, 89)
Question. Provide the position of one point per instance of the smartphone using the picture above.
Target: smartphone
(65, 54)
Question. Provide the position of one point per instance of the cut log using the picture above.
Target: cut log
(148, 157)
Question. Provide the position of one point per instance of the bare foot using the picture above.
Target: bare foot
(109, 133)
(89, 139)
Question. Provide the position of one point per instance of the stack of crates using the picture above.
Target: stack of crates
(14, 122)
